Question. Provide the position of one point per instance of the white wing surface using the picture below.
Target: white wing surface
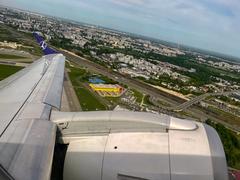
(27, 136)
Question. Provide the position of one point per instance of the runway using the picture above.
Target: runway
(69, 98)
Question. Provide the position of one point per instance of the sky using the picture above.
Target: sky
(207, 24)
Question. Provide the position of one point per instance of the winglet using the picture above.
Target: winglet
(43, 44)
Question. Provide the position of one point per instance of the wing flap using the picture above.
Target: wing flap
(54, 93)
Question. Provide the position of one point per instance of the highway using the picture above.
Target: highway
(196, 100)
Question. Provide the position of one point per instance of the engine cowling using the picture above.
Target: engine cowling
(130, 145)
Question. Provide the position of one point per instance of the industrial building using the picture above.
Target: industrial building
(110, 90)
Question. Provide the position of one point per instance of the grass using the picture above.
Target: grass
(138, 95)
(6, 70)
(113, 99)
(10, 34)
(87, 99)
(229, 100)
(10, 56)
(163, 103)
(227, 117)
(107, 80)
(231, 144)
(147, 101)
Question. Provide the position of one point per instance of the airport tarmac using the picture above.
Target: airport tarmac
(69, 98)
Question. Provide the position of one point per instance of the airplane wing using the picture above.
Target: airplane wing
(102, 145)
(27, 137)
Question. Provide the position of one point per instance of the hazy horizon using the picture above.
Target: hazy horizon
(208, 25)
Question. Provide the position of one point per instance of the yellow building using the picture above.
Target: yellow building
(106, 87)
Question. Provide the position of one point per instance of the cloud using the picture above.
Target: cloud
(130, 3)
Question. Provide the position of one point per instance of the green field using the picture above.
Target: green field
(10, 34)
(226, 116)
(147, 101)
(137, 95)
(87, 99)
(10, 56)
(231, 144)
(6, 70)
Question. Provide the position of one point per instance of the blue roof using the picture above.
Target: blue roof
(96, 80)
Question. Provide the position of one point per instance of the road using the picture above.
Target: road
(69, 94)
(65, 107)
(196, 100)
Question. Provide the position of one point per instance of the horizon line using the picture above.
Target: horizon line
(217, 54)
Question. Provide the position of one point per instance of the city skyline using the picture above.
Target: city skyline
(210, 25)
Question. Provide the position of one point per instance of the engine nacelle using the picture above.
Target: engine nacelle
(132, 145)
